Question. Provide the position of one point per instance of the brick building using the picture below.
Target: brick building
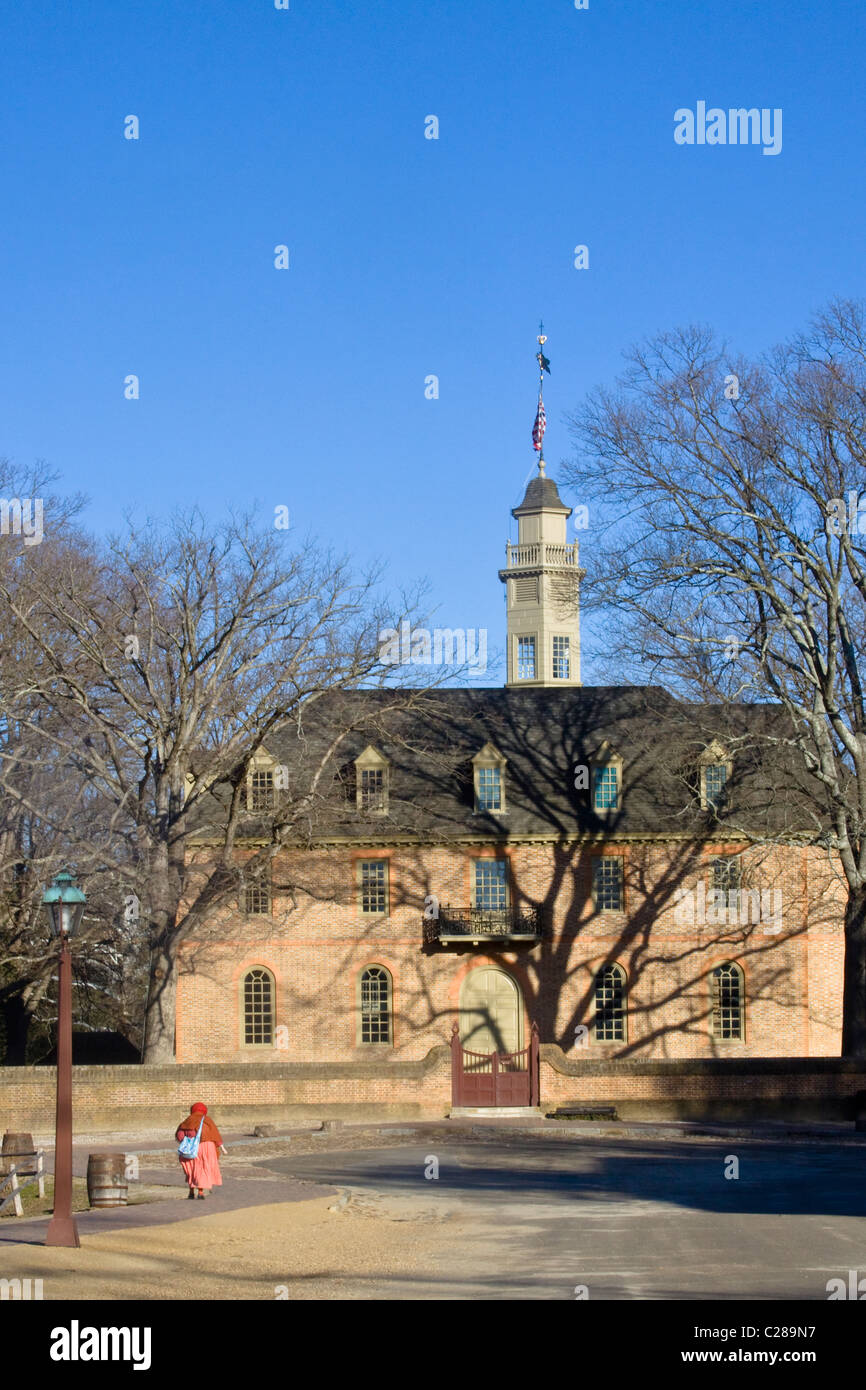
(630, 872)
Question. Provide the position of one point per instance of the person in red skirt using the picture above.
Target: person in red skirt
(203, 1171)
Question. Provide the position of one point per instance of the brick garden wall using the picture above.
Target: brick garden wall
(767, 1088)
(117, 1099)
(240, 1096)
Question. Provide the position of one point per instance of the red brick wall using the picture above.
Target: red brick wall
(316, 942)
(140, 1098)
(135, 1099)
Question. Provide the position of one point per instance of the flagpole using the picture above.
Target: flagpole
(540, 418)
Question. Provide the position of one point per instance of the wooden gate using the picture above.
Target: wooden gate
(494, 1078)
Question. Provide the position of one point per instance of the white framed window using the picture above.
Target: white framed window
(610, 1004)
(605, 788)
(375, 1006)
(256, 892)
(607, 883)
(490, 885)
(262, 783)
(716, 769)
(726, 871)
(371, 782)
(373, 887)
(526, 658)
(489, 788)
(715, 780)
(257, 1002)
(727, 1003)
(561, 658)
(262, 791)
(606, 779)
(489, 779)
(372, 789)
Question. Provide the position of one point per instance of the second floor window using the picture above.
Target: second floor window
(605, 788)
(526, 658)
(491, 885)
(726, 872)
(561, 661)
(257, 893)
(373, 887)
(607, 883)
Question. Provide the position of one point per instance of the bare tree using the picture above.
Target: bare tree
(158, 666)
(728, 494)
(43, 799)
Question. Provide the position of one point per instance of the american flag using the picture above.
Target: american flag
(539, 427)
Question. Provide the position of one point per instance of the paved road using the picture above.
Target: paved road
(535, 1218)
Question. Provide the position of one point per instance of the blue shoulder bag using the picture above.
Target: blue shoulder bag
(188, 1146)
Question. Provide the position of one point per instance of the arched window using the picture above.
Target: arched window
(375, 1005)
(727, 1007)
(610, 1007)
(258, 1008)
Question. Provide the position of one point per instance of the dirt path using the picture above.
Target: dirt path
(296, 1250)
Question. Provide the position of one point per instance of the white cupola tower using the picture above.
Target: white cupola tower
(542, 579)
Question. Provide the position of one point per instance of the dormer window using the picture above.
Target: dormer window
(372, 789)
(606, 780)
(489, 777)
(715, 775)
(261, 783)
(489, 789)
(371, 780)
(262, 790)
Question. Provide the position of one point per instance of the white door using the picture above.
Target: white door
(491, 1011)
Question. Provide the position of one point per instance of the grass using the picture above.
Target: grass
(34, 1205)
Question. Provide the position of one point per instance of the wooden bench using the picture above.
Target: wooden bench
(585, 1112)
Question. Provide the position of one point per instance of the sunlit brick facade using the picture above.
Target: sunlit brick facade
(627, 871)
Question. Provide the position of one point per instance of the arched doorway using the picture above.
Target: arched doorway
(491, 1011)
(490, 1063)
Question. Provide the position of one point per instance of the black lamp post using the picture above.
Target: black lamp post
(64, 903)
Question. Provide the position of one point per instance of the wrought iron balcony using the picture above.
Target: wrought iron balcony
(477, 925)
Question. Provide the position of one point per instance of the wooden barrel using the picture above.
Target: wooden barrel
(106, 1180)
(19, 1147)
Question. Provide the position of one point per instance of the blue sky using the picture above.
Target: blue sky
(408, 256)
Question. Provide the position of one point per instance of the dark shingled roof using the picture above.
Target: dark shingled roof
(542, 492)
(543, 734)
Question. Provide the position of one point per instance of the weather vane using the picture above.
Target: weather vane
(540, 418)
